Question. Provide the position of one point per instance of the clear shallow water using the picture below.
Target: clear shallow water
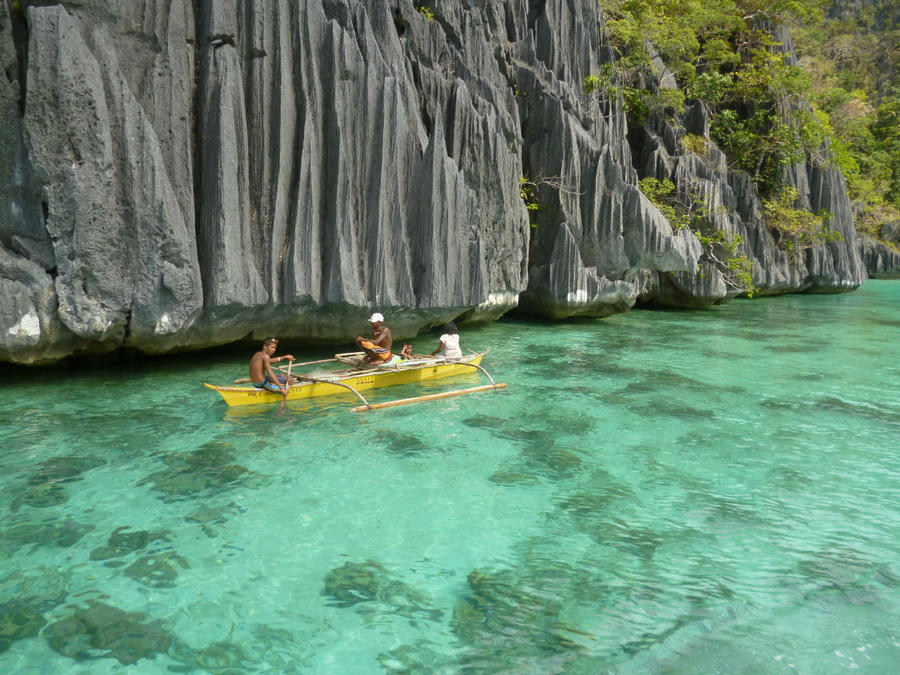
(711, 491)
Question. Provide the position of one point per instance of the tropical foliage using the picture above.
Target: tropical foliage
(852, 59)
(721, 52)
(687, 208)
(767, 112)
(794, 228)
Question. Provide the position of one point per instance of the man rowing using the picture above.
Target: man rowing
(261, 373)
(378, 349)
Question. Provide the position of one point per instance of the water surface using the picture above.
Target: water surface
(707, 491)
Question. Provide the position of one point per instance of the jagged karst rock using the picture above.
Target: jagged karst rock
(882, 255)
(180, 174)
(880, 259)
(734, 208)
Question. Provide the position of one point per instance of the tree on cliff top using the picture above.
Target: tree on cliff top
(723, 53)
(853, 63)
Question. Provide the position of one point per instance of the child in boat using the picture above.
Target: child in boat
(407, 353)
(449, 343)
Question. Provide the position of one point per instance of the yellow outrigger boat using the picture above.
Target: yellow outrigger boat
(355, 380)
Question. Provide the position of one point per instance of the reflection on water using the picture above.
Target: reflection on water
(709, 491)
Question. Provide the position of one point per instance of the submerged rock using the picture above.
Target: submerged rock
(61, 533)
(510, 622)
(41, 496)
(64, 469)
(18, 620)
(103, 630)
(157, 570)
(40, 587)
(121, 543)
(205, 516)
(407, 445)
(369, 582)
(513, 478)
(191, 474)
(551, 460)
(225, 658)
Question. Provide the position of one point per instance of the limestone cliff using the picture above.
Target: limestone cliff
(176, 174)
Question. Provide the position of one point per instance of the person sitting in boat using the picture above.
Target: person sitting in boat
(261, 373)
(407, 353)
(378, 349)
(449, 343)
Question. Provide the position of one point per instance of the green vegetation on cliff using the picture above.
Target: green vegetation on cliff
(852, 58)
(765, 111)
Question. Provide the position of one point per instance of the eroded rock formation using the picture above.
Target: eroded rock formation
(180, 174)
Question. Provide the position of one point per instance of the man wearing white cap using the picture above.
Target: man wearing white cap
(378, 349)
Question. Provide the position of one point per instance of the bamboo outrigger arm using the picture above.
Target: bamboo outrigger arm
(337, 384)
(429, 397)
(482, 370)
(433, 397)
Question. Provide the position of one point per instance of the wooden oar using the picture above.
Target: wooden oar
(245, 380)
(429, 397)
(310, 363)
(287, 383)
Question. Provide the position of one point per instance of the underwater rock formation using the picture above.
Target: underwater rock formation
(61, 533)
(368, 582)
(175, 175)
(158, 570)
(206, 470)
(102, 630)
(18, 620)
(508, 623)
(41, 496)
(122, 542)
(64, 469)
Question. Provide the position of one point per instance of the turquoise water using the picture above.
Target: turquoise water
(680, 492)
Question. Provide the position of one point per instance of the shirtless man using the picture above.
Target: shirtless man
(378, 349)
(261, 373)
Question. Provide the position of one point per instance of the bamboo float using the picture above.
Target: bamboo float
(429, 397)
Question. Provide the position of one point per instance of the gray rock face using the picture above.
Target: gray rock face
(734, 208)
(881, 260)
(180, 174)
(882, 255)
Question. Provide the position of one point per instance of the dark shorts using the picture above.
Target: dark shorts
(271, 386)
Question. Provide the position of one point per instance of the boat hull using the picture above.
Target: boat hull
(385, 376)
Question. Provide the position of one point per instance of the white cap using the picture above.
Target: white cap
(376, 318)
